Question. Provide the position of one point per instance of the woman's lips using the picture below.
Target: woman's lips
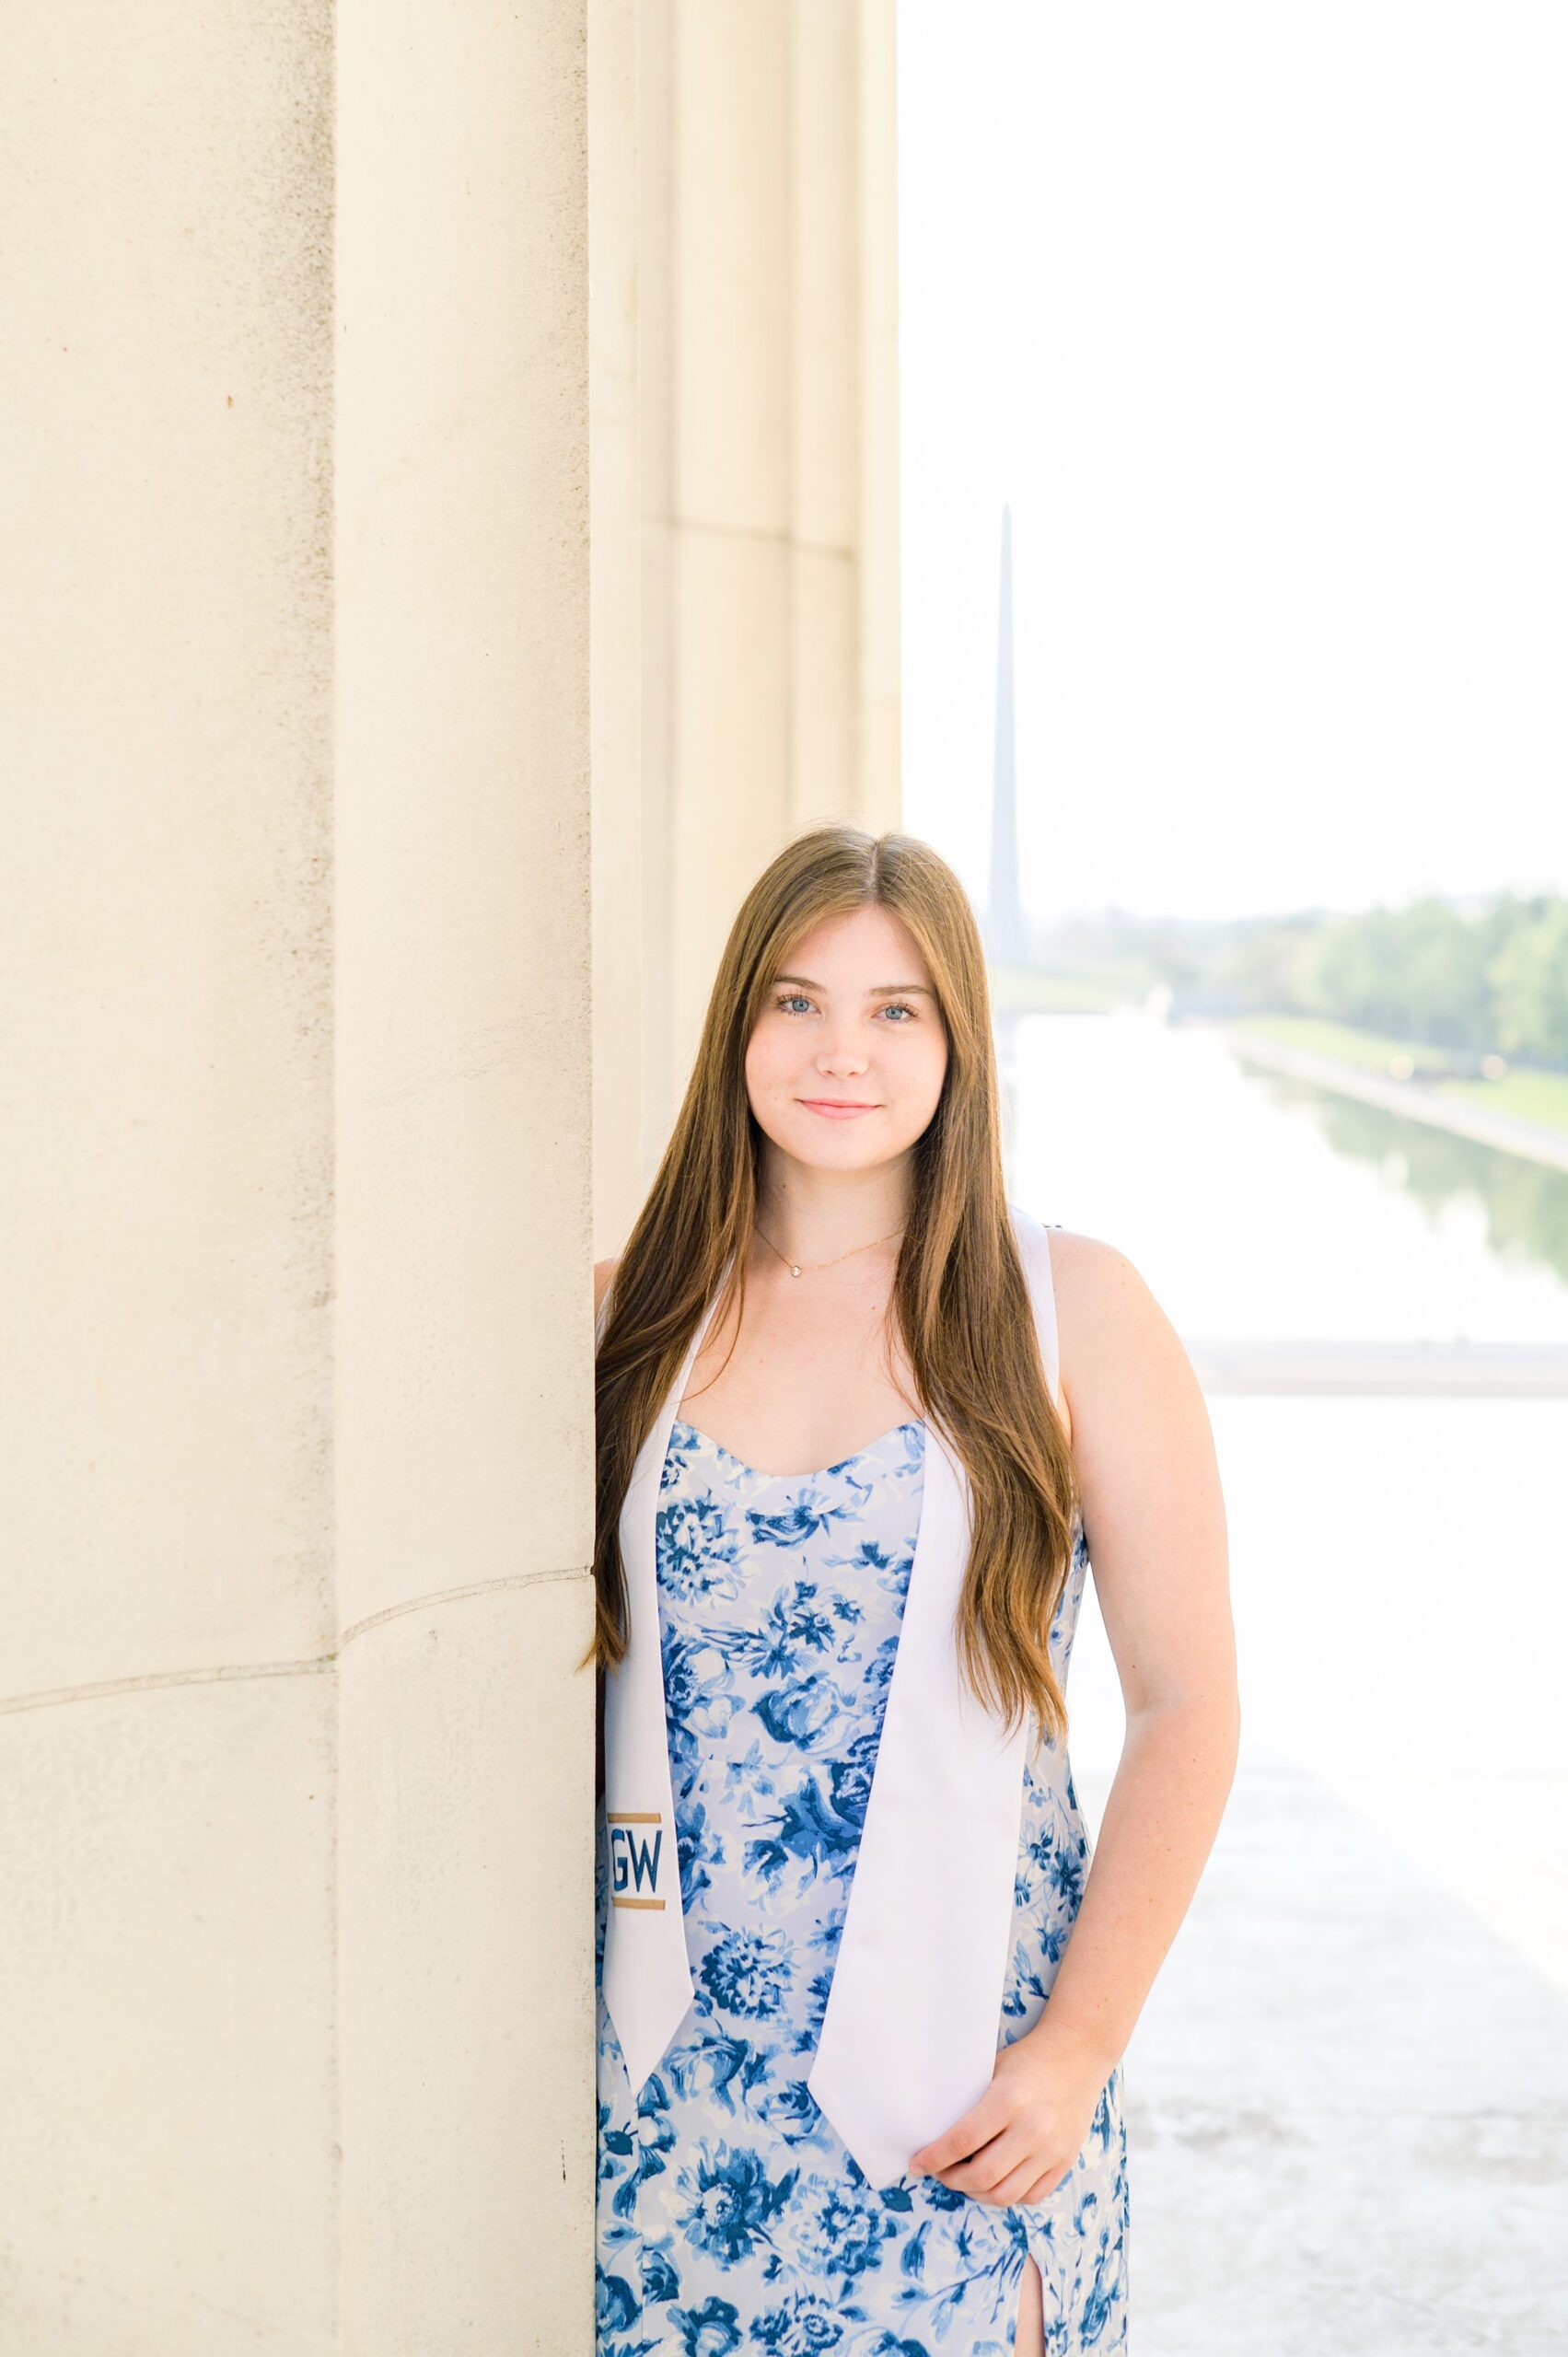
(833, 1109)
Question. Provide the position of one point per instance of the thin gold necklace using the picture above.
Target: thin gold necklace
(794, 1266)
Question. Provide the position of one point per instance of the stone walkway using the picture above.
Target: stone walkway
(1347, 2097)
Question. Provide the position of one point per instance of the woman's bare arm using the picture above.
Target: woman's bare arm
(1155, 1521)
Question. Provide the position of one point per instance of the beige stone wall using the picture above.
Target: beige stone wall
(168, 1703)
(370, 849)
(463, 1446)
(768, 409)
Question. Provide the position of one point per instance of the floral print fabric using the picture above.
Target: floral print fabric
(730, 2216)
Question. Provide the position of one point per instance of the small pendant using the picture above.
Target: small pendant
(794, 1271)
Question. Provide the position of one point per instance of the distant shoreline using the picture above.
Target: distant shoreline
(1387, 1369)
(1410, 1100)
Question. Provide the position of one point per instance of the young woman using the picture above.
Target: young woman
(859, 2092)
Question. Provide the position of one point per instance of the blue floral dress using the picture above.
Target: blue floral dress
(730, 2216)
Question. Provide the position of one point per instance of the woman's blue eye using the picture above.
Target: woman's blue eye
(798, 998)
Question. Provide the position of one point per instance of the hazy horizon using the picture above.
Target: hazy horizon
(1242, 312)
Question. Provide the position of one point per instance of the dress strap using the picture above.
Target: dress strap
(1033, 1240)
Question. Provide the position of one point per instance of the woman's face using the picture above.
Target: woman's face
(851, 1019)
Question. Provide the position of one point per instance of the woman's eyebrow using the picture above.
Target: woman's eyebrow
(877, 990)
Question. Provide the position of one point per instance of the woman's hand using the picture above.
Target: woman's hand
(1024, 2135)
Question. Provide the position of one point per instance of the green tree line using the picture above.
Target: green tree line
(1496, 980)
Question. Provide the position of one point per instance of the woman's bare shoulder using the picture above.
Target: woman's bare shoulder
(1079, 1262)
(1153, 1504)
(1078, 1272)
(603, 1271)
(1119, 1351)
(1102, 1299)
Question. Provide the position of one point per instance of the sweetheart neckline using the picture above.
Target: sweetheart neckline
(815, 1472)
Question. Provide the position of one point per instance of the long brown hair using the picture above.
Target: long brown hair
(959, 1293)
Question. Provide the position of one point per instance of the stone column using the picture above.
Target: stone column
(168, 1610)
(768, 395)
(319, 1087)
(297, 1479)
(463, 1096)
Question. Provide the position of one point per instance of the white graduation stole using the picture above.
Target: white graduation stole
(910, 2035)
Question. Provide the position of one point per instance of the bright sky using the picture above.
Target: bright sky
(1258, 317)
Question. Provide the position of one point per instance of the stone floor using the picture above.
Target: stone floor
(1347, 2095)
